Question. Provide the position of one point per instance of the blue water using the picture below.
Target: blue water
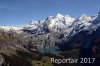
(52, 50)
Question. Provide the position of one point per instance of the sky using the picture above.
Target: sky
(20, 12)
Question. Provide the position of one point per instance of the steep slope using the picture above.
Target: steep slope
(85, 23)
(60, 22)
(79, 36)
(84, 31)
(52, 23)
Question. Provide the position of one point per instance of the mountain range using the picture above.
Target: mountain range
(59, 23)
(59, 35)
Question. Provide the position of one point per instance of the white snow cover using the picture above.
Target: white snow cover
(61, 22)
(85, 23)
(53, 22)
(11, 28)
(32, 25)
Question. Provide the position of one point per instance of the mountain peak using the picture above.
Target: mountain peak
(33, 22)
(60, 22)
(59, 15)
(84, 17)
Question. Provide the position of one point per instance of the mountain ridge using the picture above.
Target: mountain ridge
(57, 23)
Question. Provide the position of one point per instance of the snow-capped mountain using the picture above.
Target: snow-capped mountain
(78, 36)
(10, 28)
(52, 23)
(64, 29)
(84, 31)
(58, 23)
(85, 23)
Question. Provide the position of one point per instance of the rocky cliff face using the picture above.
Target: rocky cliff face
(62, 32)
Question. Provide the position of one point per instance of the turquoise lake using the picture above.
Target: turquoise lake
(52, 50)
